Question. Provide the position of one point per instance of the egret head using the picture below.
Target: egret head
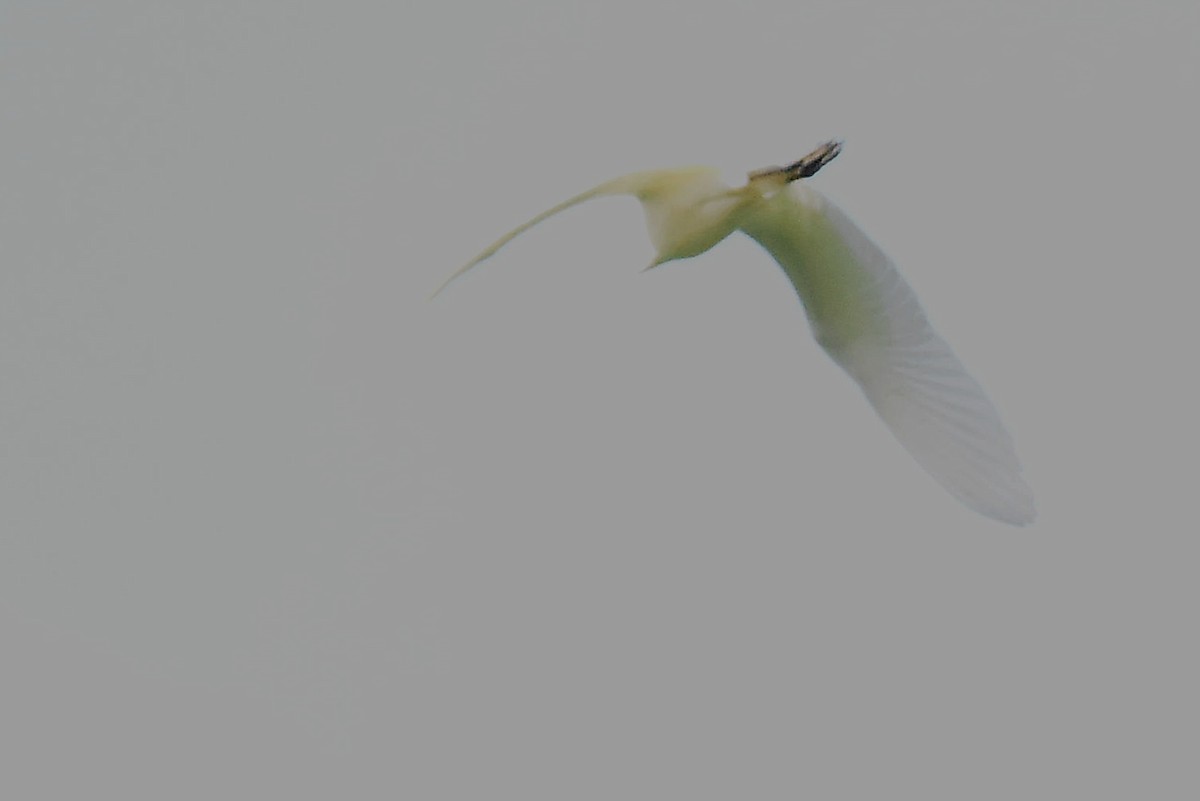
(690, 210)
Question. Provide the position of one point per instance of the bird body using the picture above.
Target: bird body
(688, 211)
(794, 226)
(859, 308)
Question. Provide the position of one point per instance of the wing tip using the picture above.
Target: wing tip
(457, 273)
(1016, 508)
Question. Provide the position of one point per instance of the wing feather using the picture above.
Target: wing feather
(660, 191)
(869, 320)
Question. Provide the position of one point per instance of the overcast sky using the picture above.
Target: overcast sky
(273, 525)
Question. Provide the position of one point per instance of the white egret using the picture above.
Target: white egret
(859, 308)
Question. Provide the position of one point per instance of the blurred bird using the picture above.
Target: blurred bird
(861, 311)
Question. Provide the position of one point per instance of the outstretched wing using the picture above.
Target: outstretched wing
(658, 190)
(869, 320)
(615, 187)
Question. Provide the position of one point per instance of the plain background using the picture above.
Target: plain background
(274, 526)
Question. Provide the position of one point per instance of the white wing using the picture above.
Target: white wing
(669, 197)
(869, 320)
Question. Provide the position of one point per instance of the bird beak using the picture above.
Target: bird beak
(804, 168)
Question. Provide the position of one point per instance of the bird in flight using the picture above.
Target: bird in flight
(860, 309)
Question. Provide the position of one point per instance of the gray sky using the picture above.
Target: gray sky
(274, 526)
